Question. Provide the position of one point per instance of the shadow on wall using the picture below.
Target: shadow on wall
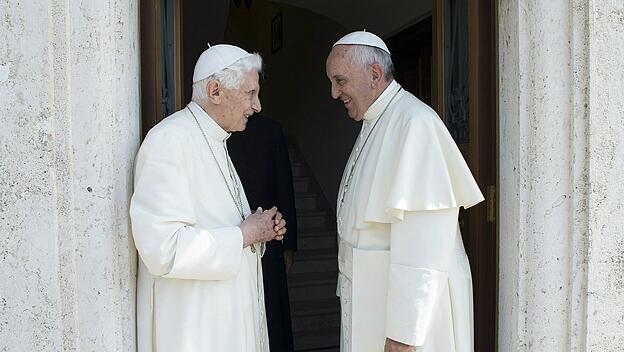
(296, 91)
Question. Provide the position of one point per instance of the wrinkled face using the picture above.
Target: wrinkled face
(350, 83)
(239, 104)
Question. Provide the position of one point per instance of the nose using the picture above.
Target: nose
(255, 105)
(335, 93)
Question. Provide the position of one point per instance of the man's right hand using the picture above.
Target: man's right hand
(259, 227)
(396, 346)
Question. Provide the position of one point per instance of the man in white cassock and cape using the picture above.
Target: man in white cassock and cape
(200, 279)
(404, 280)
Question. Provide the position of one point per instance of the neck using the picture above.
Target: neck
(379, 91)
(382, 87)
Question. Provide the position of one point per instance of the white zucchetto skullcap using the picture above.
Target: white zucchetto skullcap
(215, 59)
(363, 38)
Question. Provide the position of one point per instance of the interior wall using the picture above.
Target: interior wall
(296, 90)
(380, 17)
(203, 22)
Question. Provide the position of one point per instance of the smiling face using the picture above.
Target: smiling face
(239, 104)
(354, 85)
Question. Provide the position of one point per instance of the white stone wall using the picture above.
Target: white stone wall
(561, 175)
(69, 130)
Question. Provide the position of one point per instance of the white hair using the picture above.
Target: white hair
(365, 56)
(230, 77)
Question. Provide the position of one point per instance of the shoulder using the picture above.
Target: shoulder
(410, 113)
(172, 132)
(176, 124)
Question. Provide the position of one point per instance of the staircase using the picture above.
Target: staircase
(315, 309)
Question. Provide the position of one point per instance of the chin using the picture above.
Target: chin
(356, 118)
(353, 115)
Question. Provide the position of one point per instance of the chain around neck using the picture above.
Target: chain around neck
(235, 194)
(359, 153)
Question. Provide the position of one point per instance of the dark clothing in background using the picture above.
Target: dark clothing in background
(260, 157)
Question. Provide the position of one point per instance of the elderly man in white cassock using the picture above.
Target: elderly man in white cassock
(404, 280)
(200, 275)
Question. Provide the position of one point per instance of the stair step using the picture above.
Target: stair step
(312, 322)
(318, 340)
(303, 293)
(320, 232)
(301, 184)
(293, 155)
(307, 279)
(317, 254)
(321, 349)
(316, 242)
(313, 290)
(315, 309)
(297, 169)
(314, 265)
(315, 306)
(306, 202)
(311, 219)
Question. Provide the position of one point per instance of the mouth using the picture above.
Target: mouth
(345, 101)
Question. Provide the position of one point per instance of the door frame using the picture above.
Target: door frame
(150, 12)
(481, 154)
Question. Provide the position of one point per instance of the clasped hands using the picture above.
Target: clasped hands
(263, 226)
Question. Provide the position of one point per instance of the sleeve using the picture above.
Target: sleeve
(285, 191)
(421, 250)
(164, 222)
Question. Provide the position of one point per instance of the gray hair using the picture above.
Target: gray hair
(365, 56)
(230, 77)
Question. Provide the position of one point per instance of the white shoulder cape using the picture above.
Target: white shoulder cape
(419, 166)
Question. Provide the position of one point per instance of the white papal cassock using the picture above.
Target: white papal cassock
(198, 289)
(404, 273)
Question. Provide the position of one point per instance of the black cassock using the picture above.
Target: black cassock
(260, 157)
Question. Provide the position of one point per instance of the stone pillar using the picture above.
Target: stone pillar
(561, 271)
(69, 131)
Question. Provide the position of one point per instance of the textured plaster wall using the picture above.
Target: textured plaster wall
(69, 130)
(562, 186)
(605, 301)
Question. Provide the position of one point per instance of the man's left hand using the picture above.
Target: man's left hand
(396, 346)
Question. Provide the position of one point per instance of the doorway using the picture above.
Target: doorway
(423, 38)
(448, 61)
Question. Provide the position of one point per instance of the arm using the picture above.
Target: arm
(421, 251)
(164, 222)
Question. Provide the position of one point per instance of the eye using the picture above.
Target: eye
(340, 81)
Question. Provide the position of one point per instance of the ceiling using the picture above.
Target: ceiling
(378, 16)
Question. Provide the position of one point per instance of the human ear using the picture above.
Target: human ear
(213, 89)
(376, 73)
